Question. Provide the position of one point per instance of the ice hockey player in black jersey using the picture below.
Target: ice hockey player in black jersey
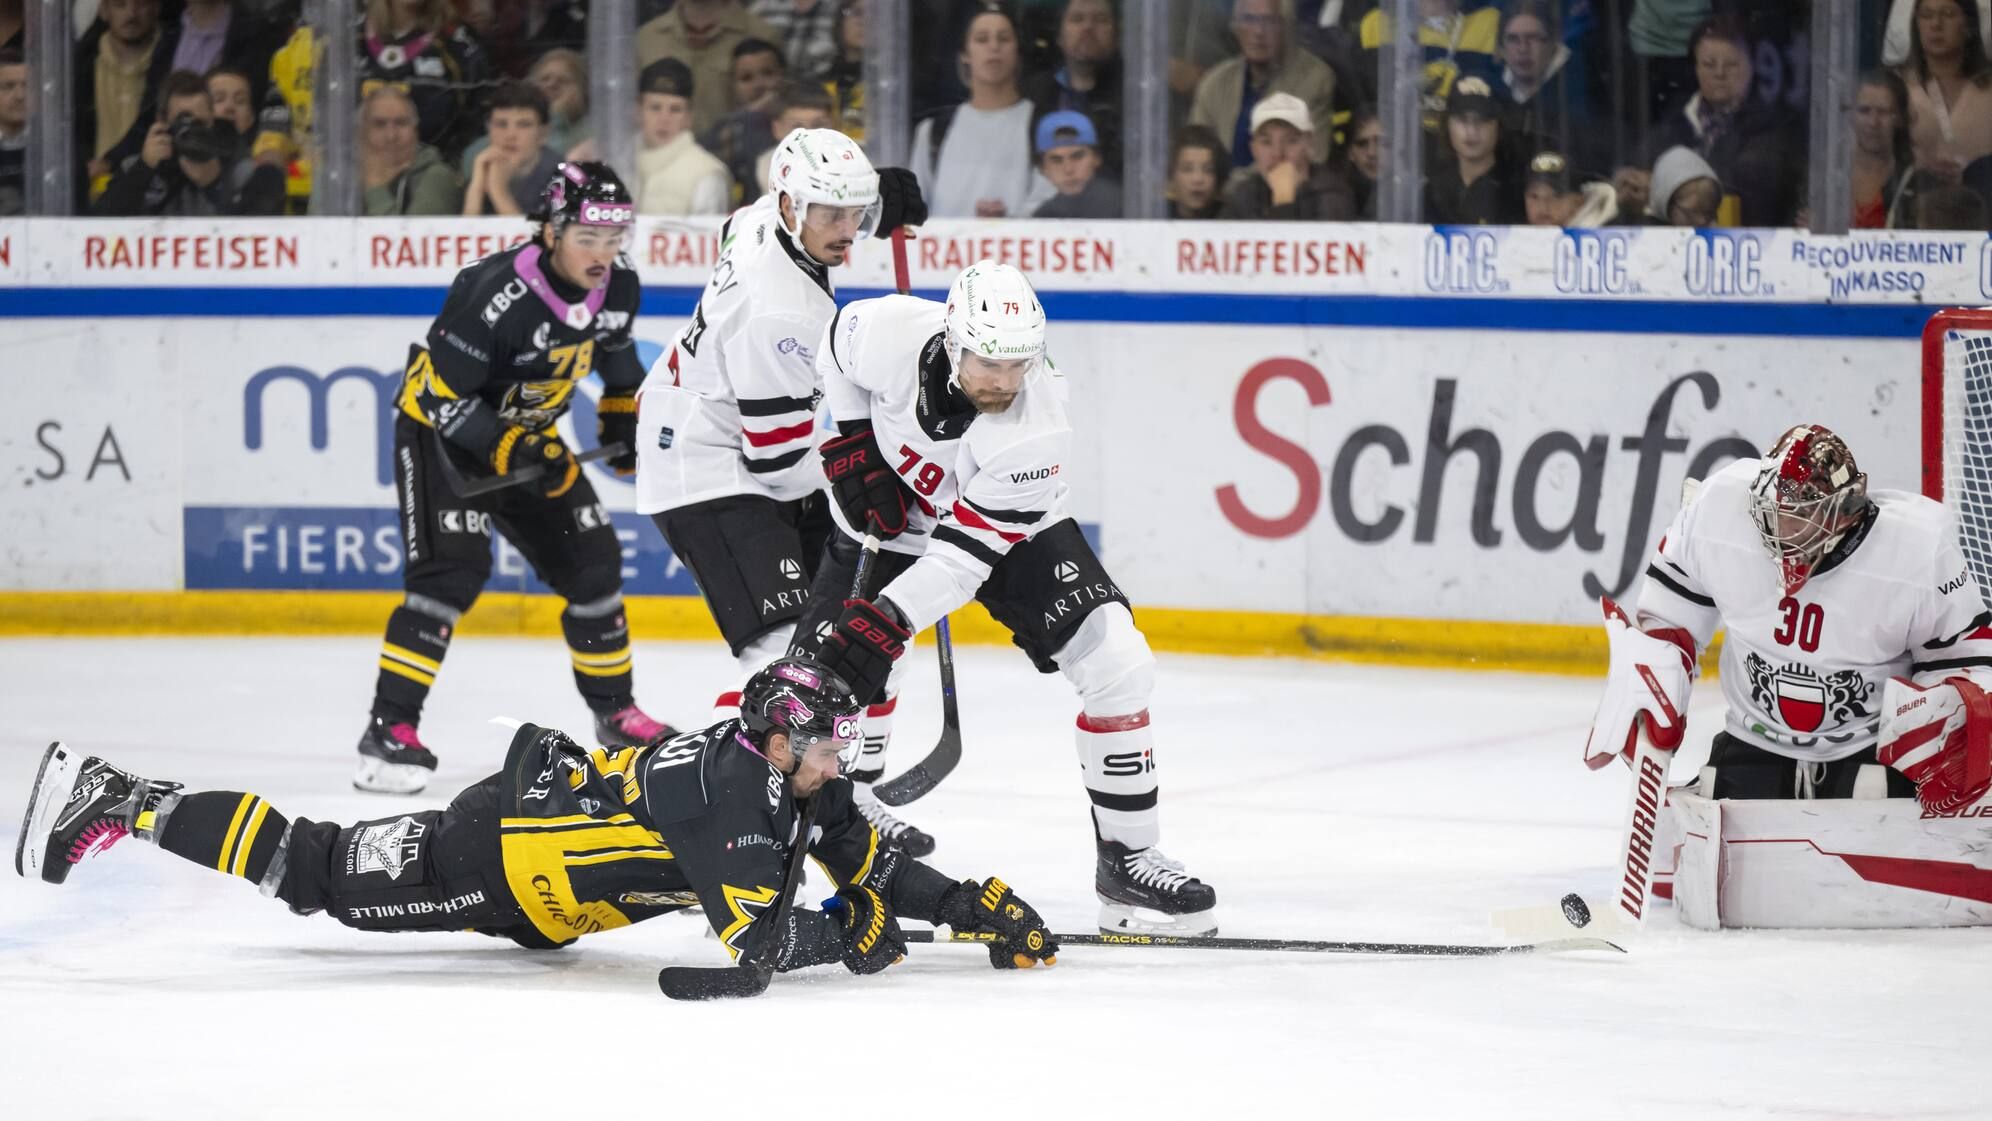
(565, 841)
(518, 333)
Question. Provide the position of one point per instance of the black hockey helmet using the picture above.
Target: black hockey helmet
(803, 700)
(584, 191)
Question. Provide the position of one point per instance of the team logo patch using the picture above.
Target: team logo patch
(1066, 571)
(1804, 700)
(578, 316)
(791, 569)
(542, 336)
(665, 436)
(591, 516)
(387, 848)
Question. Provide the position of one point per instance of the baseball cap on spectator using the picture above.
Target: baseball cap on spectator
(666, 76)
(1282, 107)
(1553, 169)
(1472, 95)
(1063, 127)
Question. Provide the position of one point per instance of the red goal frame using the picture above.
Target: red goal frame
(1941, 323)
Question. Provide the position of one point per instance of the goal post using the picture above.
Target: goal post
(1957, 427)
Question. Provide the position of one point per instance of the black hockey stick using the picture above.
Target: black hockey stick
(466, 488)
(927, 773)
(751, 975)
(1290, 945)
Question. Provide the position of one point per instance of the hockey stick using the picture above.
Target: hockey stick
(923, 776)
(756, 968)
(1289, 945)
(465, 488)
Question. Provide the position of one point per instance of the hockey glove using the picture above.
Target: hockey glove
(871, 496)
(991, 908)
(1650, 675)
(871, 936)
(516, 448)
(899, 201)
(615, 422)
(1940, 737)
(868, 638)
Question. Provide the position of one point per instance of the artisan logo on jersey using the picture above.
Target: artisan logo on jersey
(1804, 700)
(387, 847)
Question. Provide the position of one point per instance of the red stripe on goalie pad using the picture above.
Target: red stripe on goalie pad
(1944, 877)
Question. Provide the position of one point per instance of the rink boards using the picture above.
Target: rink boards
(1428, 444)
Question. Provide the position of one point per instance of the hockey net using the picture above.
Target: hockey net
(1957, 427)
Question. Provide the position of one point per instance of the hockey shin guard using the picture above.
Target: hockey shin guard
(411, 654)
(223, 829)
(598, 641)
(1116, 757)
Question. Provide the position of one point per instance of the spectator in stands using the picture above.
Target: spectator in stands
(13, 27)
(402, 175)
(1455, 45)
(1884, 160)
(1473, 185)
(1087, 78)
(1284, 183)
(676, 176)
(189, 169)
(1543, 99)
(974, 159)
(1068, 148)
(1950, 207)
(1198, 166)
(748, 130)
(1554, 197)
(514, 33)
(1663, 72)
(1269, 61)
(845, 80)
(1901, 22)
(229, 91)
(702, 34)
(1686, 191)
(807, 31)
(562, 75)
(1754, 147)
(13, 131)
(797, 105)
(508, 175)
(445, 69)
(112, 94)
(1360, 162)
(1950, 88)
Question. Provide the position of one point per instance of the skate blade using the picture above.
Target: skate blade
(1122, 918)
(54, 782)
(378, 776)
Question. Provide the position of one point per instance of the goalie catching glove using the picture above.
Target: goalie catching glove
(1940, 737)
(990, 907)
(1651, 674)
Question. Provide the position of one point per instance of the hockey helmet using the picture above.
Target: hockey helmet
(822, 168)
(587, 193)
(806, 702)
(993, 313)
(1808, 493)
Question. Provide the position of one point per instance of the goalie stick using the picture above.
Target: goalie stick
(751, 975)
(916, 781)
(1289, 945)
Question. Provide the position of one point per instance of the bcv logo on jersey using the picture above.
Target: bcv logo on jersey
(1593, 263)
(1463, 260)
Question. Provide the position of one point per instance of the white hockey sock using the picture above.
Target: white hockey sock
(878, 736)
(1117, 762)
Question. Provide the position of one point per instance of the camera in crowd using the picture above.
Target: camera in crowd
(198, 140)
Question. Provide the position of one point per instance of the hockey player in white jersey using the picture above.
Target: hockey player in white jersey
(726, 419)
(1856, 636)
(952, 439)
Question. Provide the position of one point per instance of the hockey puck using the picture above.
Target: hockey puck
(1575, 910)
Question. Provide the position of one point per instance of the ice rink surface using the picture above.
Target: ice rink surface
(1322, 801)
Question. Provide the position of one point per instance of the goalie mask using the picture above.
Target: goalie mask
(1807, 495)
(804, 701)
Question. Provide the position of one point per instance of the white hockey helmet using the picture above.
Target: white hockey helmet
(823, 167)
(993, 312)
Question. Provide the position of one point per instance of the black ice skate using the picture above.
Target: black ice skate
(630, 727)
(891, 830)
(80, 806)
(1143, 892)
(392, 759)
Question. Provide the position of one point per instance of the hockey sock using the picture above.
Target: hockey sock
(1117, 761)
(411, 654)
(870, 766)
(224, 829)
(598, 641)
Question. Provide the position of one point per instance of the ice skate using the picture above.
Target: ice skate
(1143, 892)
(393, 759)
(631, 725)
(80, 806)
(891, 830)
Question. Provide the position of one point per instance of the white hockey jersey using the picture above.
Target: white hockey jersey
(730, 408)
(983, 483)
(1802, 675)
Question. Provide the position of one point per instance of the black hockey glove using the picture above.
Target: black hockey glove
(871, 496)
(872, 940)
(899, 201)
(868, 638)
(990, 907)
(516, 448)
(615, 422)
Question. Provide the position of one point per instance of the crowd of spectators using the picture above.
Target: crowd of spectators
(1554, 112)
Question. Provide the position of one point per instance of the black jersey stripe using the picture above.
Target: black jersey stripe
(1677, 587)
(1950, 663)
(776, 463)
(968, 545)
(1018, 517)
(775, 406)
(1982, 619)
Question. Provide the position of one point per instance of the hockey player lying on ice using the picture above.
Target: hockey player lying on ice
(1857, 641)
(565, 841)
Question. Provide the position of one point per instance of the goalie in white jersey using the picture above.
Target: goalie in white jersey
(952, 439)
(1856, 636)
(726, 419)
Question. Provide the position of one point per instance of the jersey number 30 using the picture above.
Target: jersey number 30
(1800, 623)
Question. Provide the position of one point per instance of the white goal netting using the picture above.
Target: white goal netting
(1964, 378)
